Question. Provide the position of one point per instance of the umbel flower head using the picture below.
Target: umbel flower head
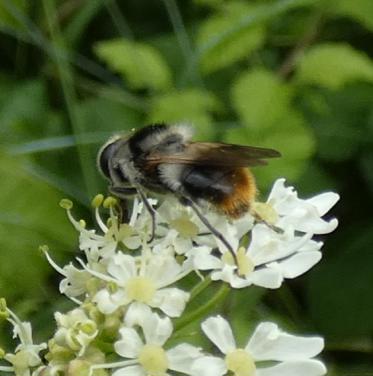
(292, 354)
(127, 289)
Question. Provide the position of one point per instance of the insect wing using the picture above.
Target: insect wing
(216, 154)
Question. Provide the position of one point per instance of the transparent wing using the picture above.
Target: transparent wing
(215, 154)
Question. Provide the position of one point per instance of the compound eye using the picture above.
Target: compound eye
(104, 157)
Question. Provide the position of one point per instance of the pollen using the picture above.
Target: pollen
(240, 363)
(82, 223)
(245, 264)
(141, 289)
(109, 202)
(228, 259)
(66, 204)
(154, 360)
(184, 226)
(265, 212)
(97, 200)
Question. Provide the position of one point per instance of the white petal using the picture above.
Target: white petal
(137, 313)
(269, 278)
(130, 371)
(122, 267)
(226, 274)
(298, 264)
(130, 343)
(182, 245)
(171, 301)
(244, 225)
(324, 202)
(209, 366)
(182, 357)
(311, 245)
(303, 215)
(270, 343)
(163, 270)
(267, 245)
(157, 330)
(107, 303)
(132, 242)
(203, 260)
(218, 330)
(309, 223)
(296, 368)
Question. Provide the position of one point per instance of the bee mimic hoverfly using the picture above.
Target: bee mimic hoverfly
(162, 159)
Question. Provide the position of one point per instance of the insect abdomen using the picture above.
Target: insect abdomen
(231, 191)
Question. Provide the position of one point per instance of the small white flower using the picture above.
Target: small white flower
(75, 282)
(270, 258)
(75, 330)
(26, 355)
(114, 233)
(181, 231)
(302, 215)
(145, 283)
(293, 354)
(151, 358)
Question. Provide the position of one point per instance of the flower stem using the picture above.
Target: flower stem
(201, 311)
(197, 289)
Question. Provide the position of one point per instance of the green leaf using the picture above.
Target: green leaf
(339, 119)
(360, 10)
(238, 46)
(260, 98)
(101, 114)
(141, 65)
(290, 136)
(23, 110)
(340, 288)
(192, 106)
(29, 217)
(333, 65)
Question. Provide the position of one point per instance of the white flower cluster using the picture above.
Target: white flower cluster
(127, 292)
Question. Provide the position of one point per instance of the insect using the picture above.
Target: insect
(162, 159)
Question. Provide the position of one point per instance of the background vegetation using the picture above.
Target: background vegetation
(295, 75)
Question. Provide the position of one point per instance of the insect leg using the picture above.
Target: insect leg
(259, 219)
(188, 202)
(122, 194)
(150, 210)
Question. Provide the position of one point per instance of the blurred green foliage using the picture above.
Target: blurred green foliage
(294, 75)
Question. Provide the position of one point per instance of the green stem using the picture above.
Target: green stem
(201, 311)
(197, 289)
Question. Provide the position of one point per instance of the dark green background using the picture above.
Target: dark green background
(295, 75)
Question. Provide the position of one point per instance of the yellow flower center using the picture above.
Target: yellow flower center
(184, 226)
(244, 263)
(140, 289)
(125, 231)
(265, 212)
(240, 362)
(154, 360)
(228, 259)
